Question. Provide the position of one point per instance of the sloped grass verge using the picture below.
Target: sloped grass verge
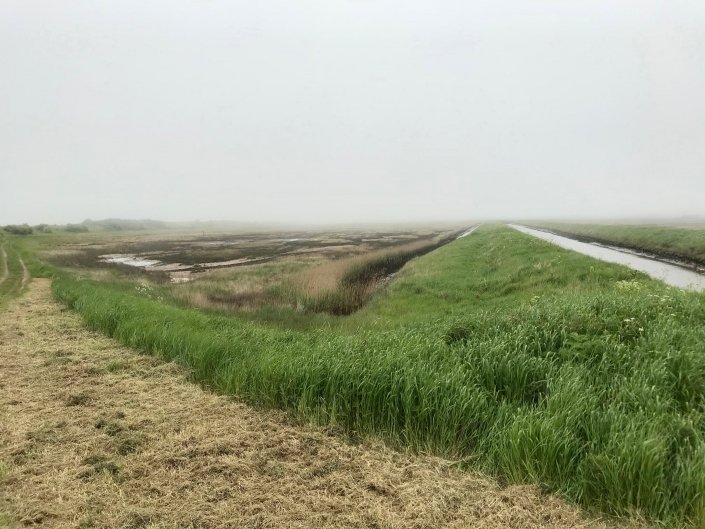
(598, 395)
(681, 244)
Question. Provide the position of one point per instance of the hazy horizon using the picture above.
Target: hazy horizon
(351, 111)
(220, 224)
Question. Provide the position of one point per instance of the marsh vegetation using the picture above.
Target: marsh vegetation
(262, 274)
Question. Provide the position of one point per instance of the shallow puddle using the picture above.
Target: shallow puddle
(129, 260)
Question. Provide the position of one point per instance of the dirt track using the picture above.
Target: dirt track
(3, 258)
(26, 276)
(95, 435)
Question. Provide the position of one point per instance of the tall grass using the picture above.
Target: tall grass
(595, 389)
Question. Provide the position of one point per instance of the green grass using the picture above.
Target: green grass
(524, 360)
(495, 268)
(686, 244)
(12, 286)
(27, 248)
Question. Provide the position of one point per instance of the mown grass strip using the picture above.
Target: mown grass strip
(582, 376)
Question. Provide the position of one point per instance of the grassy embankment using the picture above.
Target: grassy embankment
(522, 359)
(685, 244)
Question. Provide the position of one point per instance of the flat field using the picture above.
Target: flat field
(499, 351)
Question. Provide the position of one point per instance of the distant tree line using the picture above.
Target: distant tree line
(123, 224)
(76, 228)
(26, 229)
(86, 226)
(19, 229)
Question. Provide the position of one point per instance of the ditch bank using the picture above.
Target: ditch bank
(673, 258)
(673, 274)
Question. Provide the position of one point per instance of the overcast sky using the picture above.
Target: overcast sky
(331, 110)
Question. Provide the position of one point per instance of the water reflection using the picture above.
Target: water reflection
(668, 273)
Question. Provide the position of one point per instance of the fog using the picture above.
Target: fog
(336, 111)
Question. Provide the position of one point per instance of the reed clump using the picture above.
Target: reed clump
(344, 287)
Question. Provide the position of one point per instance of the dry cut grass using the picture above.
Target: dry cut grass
(96, 435)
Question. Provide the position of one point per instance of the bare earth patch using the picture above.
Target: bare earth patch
(95, 435)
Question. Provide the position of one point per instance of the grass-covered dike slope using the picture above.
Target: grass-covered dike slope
(522, 359)
(684, 244)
